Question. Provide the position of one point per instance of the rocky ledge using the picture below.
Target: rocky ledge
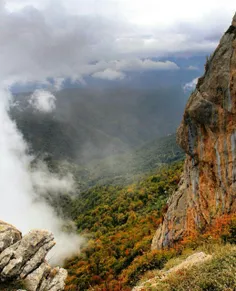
(23, 258)
(208, 136)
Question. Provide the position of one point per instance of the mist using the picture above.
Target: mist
(43, 101)
(22, 185)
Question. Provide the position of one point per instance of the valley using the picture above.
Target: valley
(118, 145)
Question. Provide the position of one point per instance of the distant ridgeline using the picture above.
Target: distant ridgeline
(124, 168)
(89, 124)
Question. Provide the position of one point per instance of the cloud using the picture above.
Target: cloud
(116, 70)
(39, 42)
(144, 65)
(77, 38)
(22, 187)
(193, 68)
(108, 74)
(191, 85)
(43, 101)
(146, 13)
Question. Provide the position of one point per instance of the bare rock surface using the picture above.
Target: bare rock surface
(23, 258)
(8, 235)
(208, 136)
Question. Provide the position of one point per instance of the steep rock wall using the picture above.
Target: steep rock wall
(208, 136)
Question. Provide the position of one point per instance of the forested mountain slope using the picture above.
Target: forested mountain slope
(122, 169)
(90, 124)
(119, 223)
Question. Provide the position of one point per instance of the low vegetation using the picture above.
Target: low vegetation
(119, 223)
(216, 274)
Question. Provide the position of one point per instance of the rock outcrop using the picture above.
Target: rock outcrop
(208, 136)
(23, 258)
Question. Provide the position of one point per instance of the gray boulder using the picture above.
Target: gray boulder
(23, 258)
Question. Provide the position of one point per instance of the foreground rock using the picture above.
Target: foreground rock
(208, 136)
(8, 235)
(23, 258)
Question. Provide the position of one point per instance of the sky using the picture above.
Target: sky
(104, 39)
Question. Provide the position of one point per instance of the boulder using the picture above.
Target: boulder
(8, 235)
(23, 258)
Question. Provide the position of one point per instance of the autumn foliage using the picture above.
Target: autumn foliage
(119, 223)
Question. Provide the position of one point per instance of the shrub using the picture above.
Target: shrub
(148, 261)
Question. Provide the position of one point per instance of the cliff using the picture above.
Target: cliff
(208, 136)
(23, 258)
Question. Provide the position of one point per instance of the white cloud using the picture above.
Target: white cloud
(43, 101)
(58, 83)
(193, 68)
(75, 38)
(108, 74)
(191, 85)
(40, 42)
(22, 185)
(145, 13)
(117, 69)
(144, 65)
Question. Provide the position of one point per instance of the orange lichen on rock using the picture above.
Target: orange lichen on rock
(208, 136)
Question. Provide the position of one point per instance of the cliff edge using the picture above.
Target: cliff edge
(208, 136)
(23, 258)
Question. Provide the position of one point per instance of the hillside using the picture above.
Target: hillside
(128, 167)
(192, 212)
(122, 169)
(90, 124)
(213, 270)
(119, 223)
(117, 145)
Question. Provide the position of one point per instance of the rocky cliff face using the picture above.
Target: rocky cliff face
(23, 258)
(208, 136)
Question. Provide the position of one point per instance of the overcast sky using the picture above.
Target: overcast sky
(104, 39)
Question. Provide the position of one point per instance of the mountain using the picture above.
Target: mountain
(121, 222)
(130, 193)
(208, 136)
(124, 201)
(121, 169)
(126, 168)
(90, 124)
